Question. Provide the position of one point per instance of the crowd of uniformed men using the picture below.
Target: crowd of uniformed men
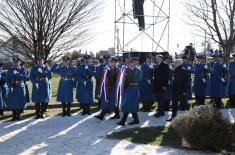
(120, 86)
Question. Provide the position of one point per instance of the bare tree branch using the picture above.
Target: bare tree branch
(47, 28)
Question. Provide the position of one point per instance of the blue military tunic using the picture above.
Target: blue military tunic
(131, 91)
(85, 84)
(42, 93)
(3, 91)
(189, 68)
(66, 84)
(201, 80)
(231, 88)
(145, 83)
(17, 95)
(110, 104)
(218, 86)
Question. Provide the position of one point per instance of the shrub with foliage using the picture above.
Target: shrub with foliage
(204, 128)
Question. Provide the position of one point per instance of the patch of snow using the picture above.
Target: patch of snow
(81, 135)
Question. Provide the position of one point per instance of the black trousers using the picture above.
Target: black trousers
(218, 102)
(200, 100)
(183, 102)
(161, 102)
(175, 101)
(232, 100)
(40, 108)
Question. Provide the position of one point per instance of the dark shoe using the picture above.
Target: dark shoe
(2, 112)
(63, 109)
(13, 115)
(37, 117)
(42, 116)
(134, 122)
(101, 115)
(13, 118)
(88, 107)
(83, 109)
(116, 116)
(157, 115)
(122, 123)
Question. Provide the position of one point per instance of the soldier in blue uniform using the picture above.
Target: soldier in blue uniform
(168, 96)
(3, 90)
(189, 67)
(231, 89)
(219, 81)
(66, 84)
(102, 63)
(40, 76)
(16, 100)
(85, 85)
(131, 92)
(145, 85)
(201, 80)
(107, 87)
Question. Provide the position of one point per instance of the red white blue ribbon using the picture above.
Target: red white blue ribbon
(120, 86)
(103, 85)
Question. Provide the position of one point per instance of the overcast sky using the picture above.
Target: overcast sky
(180, 33)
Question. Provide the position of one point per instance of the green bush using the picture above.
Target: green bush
(204, 128)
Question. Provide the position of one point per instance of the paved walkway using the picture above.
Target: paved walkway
(79, 135)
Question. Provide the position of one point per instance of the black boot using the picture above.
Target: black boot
(99, 104)
(136, 119)
(13, 115)
(37, 107)
(117, 115)
(63, 109)
(68, 109)
(88, 109)
(18, 112)
(83, 109)
(46, 107)
(43, 110)
(1, 112)
(149, 106)
(101, 115)
(123, 121)
(167, 105)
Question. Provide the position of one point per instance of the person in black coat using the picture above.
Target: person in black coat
(160, 83)
(179, 87)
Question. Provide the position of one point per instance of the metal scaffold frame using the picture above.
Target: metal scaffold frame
(158, 16)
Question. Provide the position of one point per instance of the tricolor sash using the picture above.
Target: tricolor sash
(103, 85)
(119, 93)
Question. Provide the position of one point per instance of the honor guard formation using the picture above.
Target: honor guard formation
(121, 85)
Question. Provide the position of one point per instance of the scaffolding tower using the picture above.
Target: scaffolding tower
(129, 36)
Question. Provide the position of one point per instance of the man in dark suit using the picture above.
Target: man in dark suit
(160, 81)
(179, 87)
